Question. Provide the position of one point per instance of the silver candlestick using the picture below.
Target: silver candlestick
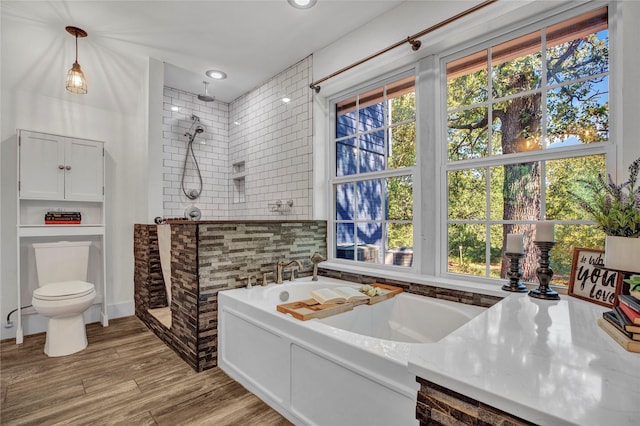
(514, 274)
(544, 273)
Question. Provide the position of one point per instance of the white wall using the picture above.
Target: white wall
(630, 61)
(117, 118)
(121, 133)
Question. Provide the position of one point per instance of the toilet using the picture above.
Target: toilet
(63, 294)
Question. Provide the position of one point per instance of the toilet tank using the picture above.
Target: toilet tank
(62, 261)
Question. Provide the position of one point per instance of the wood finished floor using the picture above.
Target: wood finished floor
(126, 376)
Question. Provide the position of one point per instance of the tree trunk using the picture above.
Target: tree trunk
(521, 188)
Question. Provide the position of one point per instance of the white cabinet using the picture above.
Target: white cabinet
(60, 168)
(59, 173)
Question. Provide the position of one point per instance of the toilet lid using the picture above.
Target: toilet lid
(63, 290)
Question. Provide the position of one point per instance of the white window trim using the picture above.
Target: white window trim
(414, 172)
(430, 229)
(609, 148)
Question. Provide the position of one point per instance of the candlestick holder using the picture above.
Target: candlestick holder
(514, 274)
(544, 272)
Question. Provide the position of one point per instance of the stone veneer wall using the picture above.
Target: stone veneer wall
(149, 284)
(440, 406)
(208, 257)
(148, 273)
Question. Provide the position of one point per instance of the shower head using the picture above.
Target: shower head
(199, 129)
(206, 97)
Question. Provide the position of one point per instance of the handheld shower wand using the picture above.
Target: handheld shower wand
(193, 193)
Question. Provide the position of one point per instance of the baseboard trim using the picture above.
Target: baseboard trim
(33, 323)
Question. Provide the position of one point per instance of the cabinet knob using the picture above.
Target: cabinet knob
(68, 167)
(61, 167)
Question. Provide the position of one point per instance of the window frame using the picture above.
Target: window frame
(430, 210)
(607, 148)
(334, 180)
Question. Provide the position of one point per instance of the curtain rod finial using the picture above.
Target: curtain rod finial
(315, 88)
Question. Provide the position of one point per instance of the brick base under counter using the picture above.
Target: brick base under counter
(438, 405)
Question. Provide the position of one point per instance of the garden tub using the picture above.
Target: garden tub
(347, 369)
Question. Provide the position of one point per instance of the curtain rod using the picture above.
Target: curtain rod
(412, 40)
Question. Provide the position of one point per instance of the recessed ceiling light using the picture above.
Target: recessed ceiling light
(302, 4)
(286, 100)
(216, 74)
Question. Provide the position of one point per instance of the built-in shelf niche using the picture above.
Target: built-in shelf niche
(238, 168)
(238, 173)
(32, 212)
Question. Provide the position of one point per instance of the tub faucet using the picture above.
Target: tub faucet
(248, 278)
(281, 265)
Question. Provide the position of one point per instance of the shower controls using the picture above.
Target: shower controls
(192, 213)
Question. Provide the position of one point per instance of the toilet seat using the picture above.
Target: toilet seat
(63, 290)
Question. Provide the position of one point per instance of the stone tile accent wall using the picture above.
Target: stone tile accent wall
(208, 257)
(438, 405)
(148, 280)
(459, 296)
(229, 251)
(184, 292)
(147, 272)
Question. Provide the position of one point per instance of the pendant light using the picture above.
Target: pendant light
(76, 83)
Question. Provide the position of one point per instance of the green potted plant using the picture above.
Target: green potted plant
(616, 210)
(634, 286)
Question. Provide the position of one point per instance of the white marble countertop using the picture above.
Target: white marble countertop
(545, 361)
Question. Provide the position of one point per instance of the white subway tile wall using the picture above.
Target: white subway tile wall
(273, 138)
(211, 149)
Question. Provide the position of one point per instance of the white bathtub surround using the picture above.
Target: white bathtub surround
(347, 369)
(547, 362)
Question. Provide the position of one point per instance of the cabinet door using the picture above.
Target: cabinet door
(84, 170)
(41, 166)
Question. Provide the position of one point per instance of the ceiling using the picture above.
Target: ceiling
(249, 40)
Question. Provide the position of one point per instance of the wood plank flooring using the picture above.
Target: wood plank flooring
(126, 376)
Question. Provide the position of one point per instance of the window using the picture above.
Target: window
(375, 158)
(526, 118)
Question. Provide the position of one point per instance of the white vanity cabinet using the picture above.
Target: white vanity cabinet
(59, 173)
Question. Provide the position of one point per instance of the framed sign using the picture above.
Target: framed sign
(592, 283)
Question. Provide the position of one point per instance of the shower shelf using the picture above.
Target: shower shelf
(281, 207)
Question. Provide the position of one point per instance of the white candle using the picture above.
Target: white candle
(515, 243)
(544, 231)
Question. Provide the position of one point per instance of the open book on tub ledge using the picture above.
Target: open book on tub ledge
(338, 295)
